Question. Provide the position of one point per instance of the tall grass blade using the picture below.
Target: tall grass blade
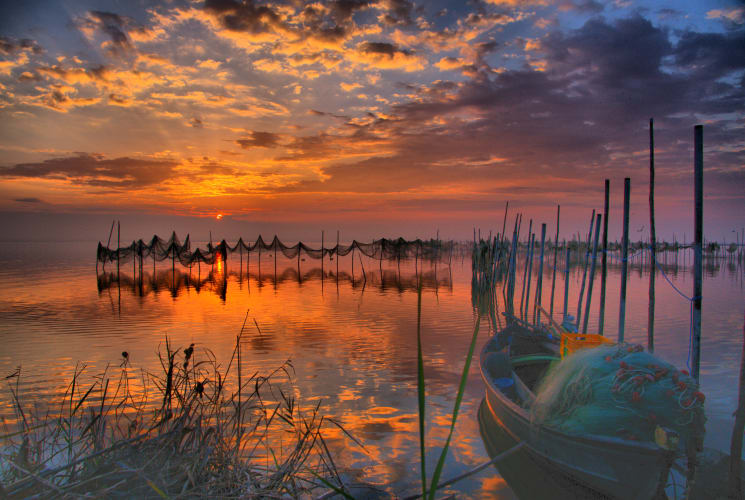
(456, 408)
(420, 385)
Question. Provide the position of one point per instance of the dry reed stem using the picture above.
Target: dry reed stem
(192, 443)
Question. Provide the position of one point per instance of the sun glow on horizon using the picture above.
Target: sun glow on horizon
(219, 216)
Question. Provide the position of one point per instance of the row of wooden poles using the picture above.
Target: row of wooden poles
(596, 245)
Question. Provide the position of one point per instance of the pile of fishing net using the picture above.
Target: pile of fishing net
(619, 391)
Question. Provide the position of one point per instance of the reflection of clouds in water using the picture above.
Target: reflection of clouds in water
(495, 487)
(352, 349)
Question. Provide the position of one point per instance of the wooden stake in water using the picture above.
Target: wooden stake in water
(510, 295)
(118, 244)
(584, 273)
(698, 219)
(624, 258)
(504, 223)
(530, 275)
(652, 242)
(592, 273)
(322, 252)
(556, 264)
(566, 283)
(525, 272)
(539, 283)
(604, 260)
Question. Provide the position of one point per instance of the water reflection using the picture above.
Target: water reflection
(215, 280)
(351, 335)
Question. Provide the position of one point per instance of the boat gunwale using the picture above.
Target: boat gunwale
(588, 439)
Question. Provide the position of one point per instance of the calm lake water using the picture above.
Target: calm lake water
(352, 341)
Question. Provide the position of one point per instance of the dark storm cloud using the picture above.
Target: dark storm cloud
(117, 99)
(316, 112)
(343, 10)
(481, 17)
(584, 6)
(626, 51)
(243, 16)
(388, 49)
(111, 24)
(259, 140)
(588, 110)
(715, 54)
(328, 25)
(399, 12)
(597, 73)
(11, 45)
(28, 200)
(94, 170)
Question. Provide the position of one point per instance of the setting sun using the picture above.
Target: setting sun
(219, 216)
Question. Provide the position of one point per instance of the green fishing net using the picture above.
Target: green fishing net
(620, 391)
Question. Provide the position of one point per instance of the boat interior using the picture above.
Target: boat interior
(517, 362)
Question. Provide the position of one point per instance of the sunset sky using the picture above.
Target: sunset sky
(378, 117)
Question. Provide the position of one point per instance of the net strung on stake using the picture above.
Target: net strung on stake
(161, 249)
(620, 391)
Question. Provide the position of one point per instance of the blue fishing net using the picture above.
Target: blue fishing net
(620, 391)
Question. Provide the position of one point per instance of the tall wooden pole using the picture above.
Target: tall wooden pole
(604, 260)
(530, 275)
(525, 272)
(510, 294)
(698, 190)
(556, 266)
(118, 244)
(539, 283)
(504, 227)
(566, 283)
(652, 242)
(625, 256)
(584, 273)
(592, 273)
(322, 235)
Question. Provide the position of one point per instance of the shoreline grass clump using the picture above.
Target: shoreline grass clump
(182, 433)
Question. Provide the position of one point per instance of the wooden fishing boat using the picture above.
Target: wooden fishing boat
(512, 364)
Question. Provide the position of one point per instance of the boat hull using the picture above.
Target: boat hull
(611, 466)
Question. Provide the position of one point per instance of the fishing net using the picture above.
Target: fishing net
(619, 391)
(173, 249)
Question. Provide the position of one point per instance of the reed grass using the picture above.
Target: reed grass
(183, 434)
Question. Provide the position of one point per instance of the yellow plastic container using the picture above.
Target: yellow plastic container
(572, 342)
